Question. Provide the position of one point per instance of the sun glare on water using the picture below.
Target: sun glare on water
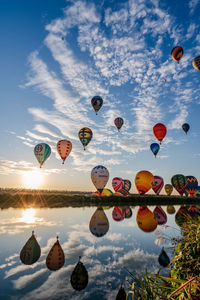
(28, 216)
(33, 179)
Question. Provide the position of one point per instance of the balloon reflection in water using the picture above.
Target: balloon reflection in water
(170, 209)
(160, 215)
(79, 277)
(99, 224)
(31, 251)
(163, 258)
(128, 212)
(56, 258)
(181, 215)
(146, 220)
(121, 295)
(118, 214)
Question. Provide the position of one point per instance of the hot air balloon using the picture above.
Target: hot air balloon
(42, 151)
(146, 220)
(99, 176)
(144, 181)
(56, 258)
(160, 215)
(163, 258)
(79, 277)
(128, 212)
(179, 182)
(177, 53)
(170, 209)
(196, 63)
(117, 183)
(31, 251)
(121, 295)
(64, 148)
(85, 136)
(118, 123)
(127, 185)
(192, 185)
(118, 213)
(121, 192)
(181, 215)
(194, 211)
(159, 131)
(97, 103)
(99, 224)
(158, 184)
(197, 194)
(168, 189)
(185, 127)
(105, 192)
(155, 148)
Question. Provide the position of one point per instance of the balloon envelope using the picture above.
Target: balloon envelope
(99, 176)
(99, 224)
(163, 258)
(105, 192)
(31, 251)
(177, 53)
(118, 213)
(155, 148)
(160, 215)
(179, 182)
(64, 148)
(127, 185)
(158, 184)
(117, 183)
(56, 258)
(85, 136)
(97, 103)
(185, 127)
(79, 277)
(159, 131)
(168, 189)
(196, 63)
(144, 181)
(192, 185)
(146, 220)
(170, 209)
(118, 123)
(181, 215)
(42, 151)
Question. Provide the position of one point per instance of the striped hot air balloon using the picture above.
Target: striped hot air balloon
(192, 185)
(179, 182)
(158, 184)
(160, 215)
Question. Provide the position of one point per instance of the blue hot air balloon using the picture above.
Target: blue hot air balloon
(185, 127)
(155, 148)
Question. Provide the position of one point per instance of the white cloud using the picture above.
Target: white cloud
(27, 280)
(192, 5)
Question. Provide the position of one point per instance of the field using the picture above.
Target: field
(39, 199)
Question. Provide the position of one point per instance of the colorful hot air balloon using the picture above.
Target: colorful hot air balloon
(121, 295)
(145, 219)
(192, 185)
(185, 127)
(177, 53)
(85, 136)
(196, 63)
(105, 192)
(179, 182)
(79, 277)
(144, 181)
(128, 212)
(97, 103)
(31, 251)
(163, 258)
(159, 131)
(99, 224)
(99, 176)
(64, 148)
(197, 193)
(155, 148)
(42, 151)
(118, 213)
(168, 189)
(160, 215)
(158, 184)
(181, 215)
(56, 258)
(127, 185)
(121, 192)
(194, 211)
(118, 123)
(170, 209)
(117, 183)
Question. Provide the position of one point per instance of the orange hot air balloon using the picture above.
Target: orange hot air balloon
(56, 258)
(159, 131)
(144, 181)
(177, 53)
(64, 148)
(146, 220)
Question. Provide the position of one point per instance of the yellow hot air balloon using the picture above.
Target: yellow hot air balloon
(177, 53)
(170, 209)
(144, 181)
(196, 63)
(146, 220)
(168, 189)
(56, 258)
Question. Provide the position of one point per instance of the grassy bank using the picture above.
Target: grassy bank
(42, 199)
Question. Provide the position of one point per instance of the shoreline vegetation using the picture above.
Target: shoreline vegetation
(52, 199)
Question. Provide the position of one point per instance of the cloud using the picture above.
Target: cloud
(192, 5)
(27, 280)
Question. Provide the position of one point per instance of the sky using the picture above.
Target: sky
(119, 50)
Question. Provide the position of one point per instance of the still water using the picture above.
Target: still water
(121, 245)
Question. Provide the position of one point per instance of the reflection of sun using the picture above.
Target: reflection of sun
(28, 216)
(33, 179)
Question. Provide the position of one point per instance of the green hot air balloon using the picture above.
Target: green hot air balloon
(179, 182)
(42, 151)
(85, 136)
(31, 251)
(79, 277)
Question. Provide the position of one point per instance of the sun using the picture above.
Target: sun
(33, 179)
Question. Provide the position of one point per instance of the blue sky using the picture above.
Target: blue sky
(118, 50)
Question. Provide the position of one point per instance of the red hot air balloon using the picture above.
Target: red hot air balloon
(158, 184)
(64, 148)
(159, 131)
(118, 213)
(117, 183)
(160, 215)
